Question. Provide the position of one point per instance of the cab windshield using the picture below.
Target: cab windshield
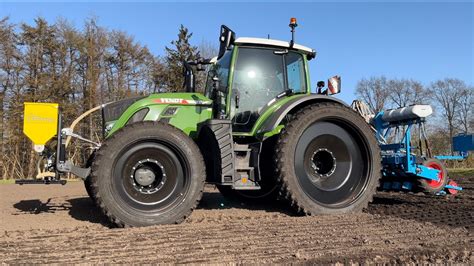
(260, 75)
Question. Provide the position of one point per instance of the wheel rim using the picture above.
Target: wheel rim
(151, 176)
(436, 183)
(332, 163)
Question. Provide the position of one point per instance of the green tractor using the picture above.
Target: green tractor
(257, 133)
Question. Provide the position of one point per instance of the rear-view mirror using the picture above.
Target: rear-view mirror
(226, 39)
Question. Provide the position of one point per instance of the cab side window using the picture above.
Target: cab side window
(295, 72)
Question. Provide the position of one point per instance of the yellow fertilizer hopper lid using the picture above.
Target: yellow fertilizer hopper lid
(40, 123)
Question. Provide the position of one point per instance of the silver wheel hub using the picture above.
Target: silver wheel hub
(148, 176)
(323, 162)
(144, 176)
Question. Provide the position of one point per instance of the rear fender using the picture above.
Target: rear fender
(272, 125)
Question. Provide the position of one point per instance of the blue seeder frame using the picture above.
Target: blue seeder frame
(397, 157)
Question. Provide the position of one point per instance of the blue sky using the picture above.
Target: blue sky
(424, 41)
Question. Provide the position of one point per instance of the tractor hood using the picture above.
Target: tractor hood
(182, 110)
(113, 110)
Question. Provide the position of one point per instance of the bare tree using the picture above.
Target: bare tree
(465, 116)
(206, 50)
(157, 74)
(374, 92)
(9, 55)
(447, 93)
(405, 92)
(10, 69)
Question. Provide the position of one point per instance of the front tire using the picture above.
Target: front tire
(87, 181)
(148, 173)
(328, 160)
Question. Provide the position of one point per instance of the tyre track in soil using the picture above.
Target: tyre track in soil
(397, 228)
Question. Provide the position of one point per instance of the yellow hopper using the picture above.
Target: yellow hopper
(40, 123)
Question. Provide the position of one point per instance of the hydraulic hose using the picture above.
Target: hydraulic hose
(79, 118)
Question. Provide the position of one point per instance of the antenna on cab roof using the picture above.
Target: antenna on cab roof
(293, 25)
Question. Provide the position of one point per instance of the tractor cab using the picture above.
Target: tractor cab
(251, 74)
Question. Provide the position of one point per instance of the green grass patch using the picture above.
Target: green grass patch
(461, 171)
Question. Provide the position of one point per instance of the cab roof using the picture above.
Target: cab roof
(270, 42)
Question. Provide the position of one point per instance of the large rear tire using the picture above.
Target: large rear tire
(328, 160)
(148, 173)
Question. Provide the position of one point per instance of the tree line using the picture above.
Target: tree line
(79, 68)
(451, 99)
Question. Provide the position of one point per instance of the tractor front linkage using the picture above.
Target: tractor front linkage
(46, 116)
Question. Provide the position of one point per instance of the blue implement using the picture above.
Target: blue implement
(453, 187)
(406, 159)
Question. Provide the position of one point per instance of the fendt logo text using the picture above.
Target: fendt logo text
(171, 101)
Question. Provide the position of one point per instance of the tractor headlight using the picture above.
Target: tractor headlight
(108, 126)
(138, 116)
(170, 111)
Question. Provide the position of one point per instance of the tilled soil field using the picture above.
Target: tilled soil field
(59, 224)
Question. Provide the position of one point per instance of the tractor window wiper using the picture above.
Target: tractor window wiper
(287, 92)
(281, 52)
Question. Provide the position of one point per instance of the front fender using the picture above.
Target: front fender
(274, 120)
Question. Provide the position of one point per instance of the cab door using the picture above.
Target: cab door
(260, 75)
